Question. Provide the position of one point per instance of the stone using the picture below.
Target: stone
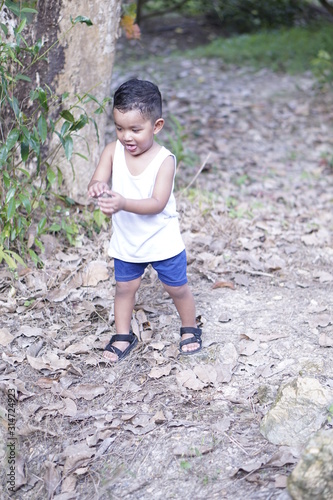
(312, 478)
(300, 410)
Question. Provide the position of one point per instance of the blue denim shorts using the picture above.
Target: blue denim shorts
(171, 271)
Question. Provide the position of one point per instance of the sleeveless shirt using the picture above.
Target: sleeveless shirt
(143, 238)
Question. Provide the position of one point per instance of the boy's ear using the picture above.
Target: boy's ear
(158, 125)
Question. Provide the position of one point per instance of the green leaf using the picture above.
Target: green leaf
(24, 151)
(17, 257)
(42, 128)
(3, 154)
(25, 172)
(21, 26)
(99, 218)
(4, 28)
(10, 194)
(96, 129)
(51, 176)
(60, 177)
(25, 202)
(41, 225)
(28, 10)
(64, 128)
(9, 261)
(68, 147)
(54, 228)
(70, 201)
(80, 123)
(82, 19)
(38, 45)
(67, 115)
(6, 180)
(14, 105)
(12, 138)
(14, 8)
(42, 98)
(81, 156)
(34, 257)
(39, 244)
(19, 76)
(11, 207)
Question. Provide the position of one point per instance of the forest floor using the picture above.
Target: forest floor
(257, 223)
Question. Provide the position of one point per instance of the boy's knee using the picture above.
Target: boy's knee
(127, 287)
(177, 291)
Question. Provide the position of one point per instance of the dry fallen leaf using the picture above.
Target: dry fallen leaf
(159, 417)
(206, 373)
(52, 477)
(29, 331)
(247, 348)
(50, 361)
(88, 391)
(5, 337)
(70, 408)
(188, 379)
(95, 272)
(160, 371)
(224, 284)
(325, 340)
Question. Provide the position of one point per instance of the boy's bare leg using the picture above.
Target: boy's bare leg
(123, 308)
(185, 305)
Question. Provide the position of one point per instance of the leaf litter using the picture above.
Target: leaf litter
(258, 231)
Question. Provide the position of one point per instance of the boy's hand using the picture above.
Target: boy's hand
(97, 189)
(112, 203)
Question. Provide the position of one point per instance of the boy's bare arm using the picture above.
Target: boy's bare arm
(148, 206)
(99, 181)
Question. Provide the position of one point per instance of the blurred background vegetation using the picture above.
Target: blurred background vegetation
(282, 35)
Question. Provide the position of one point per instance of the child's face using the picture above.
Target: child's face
(134, 131)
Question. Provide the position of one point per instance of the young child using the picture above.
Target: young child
(145, 227)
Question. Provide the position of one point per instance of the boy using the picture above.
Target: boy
(145, 227)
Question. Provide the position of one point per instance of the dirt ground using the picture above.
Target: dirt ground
(257, 223)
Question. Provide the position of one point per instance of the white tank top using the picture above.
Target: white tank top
(143, 238)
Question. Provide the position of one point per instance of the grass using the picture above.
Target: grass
(287, 50)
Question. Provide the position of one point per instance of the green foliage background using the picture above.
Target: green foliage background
(34, 127)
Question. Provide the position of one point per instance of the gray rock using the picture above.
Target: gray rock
(312, 478)
(300, 410)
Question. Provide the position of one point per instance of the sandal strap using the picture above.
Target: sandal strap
(122, 337)
(113, 349)
(191, 340)
(190, 329)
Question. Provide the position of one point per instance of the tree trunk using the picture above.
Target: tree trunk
(328, 6)
(82, 63)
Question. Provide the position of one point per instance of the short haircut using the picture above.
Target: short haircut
(141, 95)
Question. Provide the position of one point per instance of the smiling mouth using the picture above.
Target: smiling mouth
(131, 147)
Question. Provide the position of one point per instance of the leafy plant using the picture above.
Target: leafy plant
(322, 67)
(176, 142)
(31, 137)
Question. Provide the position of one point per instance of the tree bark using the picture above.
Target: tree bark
(81, 63)
(327, 6)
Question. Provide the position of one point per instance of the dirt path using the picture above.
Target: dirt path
(258, 228)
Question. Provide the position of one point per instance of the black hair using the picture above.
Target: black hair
(141, 95)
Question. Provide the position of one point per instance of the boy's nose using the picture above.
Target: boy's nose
(127, 135)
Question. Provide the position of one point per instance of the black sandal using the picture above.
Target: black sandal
(196, 339)
(131, 338)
